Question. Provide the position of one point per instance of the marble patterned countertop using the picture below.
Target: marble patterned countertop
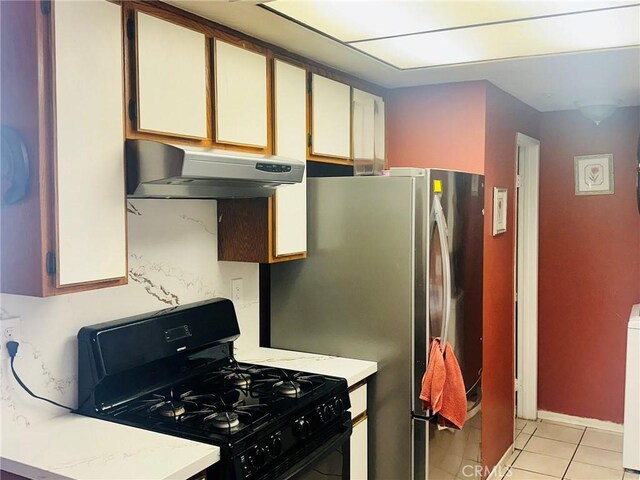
(76, 447)
(353, 370)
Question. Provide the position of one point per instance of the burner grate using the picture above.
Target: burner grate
(277, 382)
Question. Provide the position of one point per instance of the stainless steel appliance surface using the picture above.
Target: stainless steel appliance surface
(160, 170)
(392, 262)
(173, 372)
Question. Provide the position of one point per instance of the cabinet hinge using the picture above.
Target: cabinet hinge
(309, 140)
(131, 28)
(309, 82)
(45, 7)
(518, 181)
(133, 110)
(51, 263)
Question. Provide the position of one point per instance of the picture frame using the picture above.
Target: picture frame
(594, 174)
(499, 210)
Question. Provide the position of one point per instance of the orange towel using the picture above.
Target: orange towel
(454, 397)
(433, 380)
(443, 390)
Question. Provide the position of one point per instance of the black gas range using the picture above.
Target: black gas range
(174, 372)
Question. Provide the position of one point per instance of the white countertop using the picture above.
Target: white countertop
(76, 447)
(352, 370)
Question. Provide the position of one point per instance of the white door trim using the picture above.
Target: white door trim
(527, 296)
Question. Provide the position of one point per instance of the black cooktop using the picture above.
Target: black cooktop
(227, 402)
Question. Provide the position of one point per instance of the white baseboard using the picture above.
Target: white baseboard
(501, 467)
(582, 421)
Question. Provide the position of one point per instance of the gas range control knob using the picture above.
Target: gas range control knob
(259, 458)
(338, 406)
(325, 413)
(302, 428)
(275, 446)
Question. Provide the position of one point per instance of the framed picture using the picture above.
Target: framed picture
(499, 210)
(594, 174)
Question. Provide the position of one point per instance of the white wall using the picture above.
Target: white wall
(173, 251)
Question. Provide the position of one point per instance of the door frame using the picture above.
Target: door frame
(526, 286)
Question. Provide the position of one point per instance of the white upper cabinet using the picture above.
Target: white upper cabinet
(241, 93)
(368, 131)
(363, 125)
(89, 93)
(290, 129)
(380, 147)
(330, 118)
(172, 78)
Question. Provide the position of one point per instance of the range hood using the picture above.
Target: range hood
(160, 170)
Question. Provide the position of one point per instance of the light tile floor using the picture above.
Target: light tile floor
(549, 450)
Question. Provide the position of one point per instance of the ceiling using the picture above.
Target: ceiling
(548, 54)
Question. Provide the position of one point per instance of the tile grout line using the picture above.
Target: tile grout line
(550, 456)
(530, 437)
(574, 453)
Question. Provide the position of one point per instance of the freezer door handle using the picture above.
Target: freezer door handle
(420, 417)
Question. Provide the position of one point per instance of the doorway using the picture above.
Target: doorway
(526, 278)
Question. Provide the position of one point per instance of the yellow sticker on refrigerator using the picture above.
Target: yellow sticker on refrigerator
(437, 186)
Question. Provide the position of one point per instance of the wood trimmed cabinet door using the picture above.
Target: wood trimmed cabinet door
(359, 436)
(270, 230)
(89, 125)
(368, 132)
(66, 102)
(330, 120)
(171, 73)
(290, 202)
(241, 97)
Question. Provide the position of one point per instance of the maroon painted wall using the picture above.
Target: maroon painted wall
(506, 116)
(438, 126)
(589, 266)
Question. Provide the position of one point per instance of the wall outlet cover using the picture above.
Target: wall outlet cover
(9, 331)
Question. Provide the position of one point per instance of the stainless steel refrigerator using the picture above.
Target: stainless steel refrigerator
(392, 262)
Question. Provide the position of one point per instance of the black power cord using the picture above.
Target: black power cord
(12, 348)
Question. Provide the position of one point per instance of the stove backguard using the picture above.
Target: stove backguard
(125, 358)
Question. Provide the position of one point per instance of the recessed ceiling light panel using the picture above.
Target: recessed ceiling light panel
(357, 20)
(552, 35)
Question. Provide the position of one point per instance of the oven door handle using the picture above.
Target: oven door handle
(307, 459)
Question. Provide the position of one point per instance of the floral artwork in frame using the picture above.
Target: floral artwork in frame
(499, 210)
(594, 174)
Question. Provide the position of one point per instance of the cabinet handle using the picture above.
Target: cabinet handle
(51, 263)
(45, 7)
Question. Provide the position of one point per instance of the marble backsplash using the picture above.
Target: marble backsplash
(173, 260)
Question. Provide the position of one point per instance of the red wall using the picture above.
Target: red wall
(506, 116)
(438, 126)
(589, 266)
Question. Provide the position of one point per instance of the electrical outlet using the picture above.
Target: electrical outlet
(236, 291)
(9, 331)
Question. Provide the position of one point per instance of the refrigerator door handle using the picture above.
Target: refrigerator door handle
(441, 226)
